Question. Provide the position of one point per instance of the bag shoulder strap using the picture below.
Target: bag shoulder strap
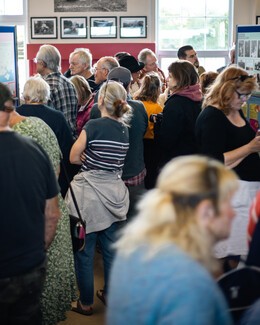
(72, 192)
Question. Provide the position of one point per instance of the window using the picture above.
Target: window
(13, 12)
(204, 24)
(14, 7)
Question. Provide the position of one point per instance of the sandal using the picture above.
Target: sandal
(78, 309)
(101, 295)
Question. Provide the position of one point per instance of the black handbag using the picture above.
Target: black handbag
(77, 224)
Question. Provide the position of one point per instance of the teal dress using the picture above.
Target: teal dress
(60, 284)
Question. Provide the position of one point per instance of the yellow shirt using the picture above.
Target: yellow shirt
(151, 108)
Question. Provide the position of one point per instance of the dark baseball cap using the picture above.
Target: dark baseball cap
(120, 74)
(5, 95)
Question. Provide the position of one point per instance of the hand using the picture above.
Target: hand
(83, 157)
(254, 144)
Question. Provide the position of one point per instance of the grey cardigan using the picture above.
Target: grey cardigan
(102, 198)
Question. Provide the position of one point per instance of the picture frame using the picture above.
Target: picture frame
(73, 27)
(133, 27)
(43, 27)
(103, 27)
(257, 20)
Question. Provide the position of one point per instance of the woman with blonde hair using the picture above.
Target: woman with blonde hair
(101, 194)
(163, 270)
(223, 132)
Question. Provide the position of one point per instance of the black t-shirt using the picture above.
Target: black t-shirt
(27, 179)
(216, 135)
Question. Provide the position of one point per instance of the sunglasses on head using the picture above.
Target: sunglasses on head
(112, 80)
(242, 78)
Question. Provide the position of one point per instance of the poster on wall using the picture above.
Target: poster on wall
(89, 5)
(8, 62)
(248, 49)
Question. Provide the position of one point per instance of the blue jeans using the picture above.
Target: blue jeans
(20, 298)
(84, 261)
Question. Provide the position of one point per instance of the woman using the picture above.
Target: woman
(60, 283)
(148, 94)
(177, 131)
(162, 273)
(85, 100)
(36, 93)
(100, 192)
(223, 132)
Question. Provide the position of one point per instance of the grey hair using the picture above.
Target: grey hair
(143, 55)
(36, 90)
(109, 62)
(50, 55)
(84, 55)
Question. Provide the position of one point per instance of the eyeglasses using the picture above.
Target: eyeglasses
(244, 97)
(113, 80)
(96, 69)
(152, 64)
(242, 78)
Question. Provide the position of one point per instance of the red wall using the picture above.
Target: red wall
(98, 50)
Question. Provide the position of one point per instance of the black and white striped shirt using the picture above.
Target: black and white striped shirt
(107, 144)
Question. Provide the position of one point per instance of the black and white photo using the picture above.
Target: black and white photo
(43, 27)
(73, 27)
(103, 27)
(133, 27)
(90, 5)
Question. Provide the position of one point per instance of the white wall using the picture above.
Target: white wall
(245, 12)
(45, 8)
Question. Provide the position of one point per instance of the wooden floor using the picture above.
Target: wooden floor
(98, 318)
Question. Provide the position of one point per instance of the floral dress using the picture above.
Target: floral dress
(60, 284)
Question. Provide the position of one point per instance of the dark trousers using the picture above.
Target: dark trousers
(20, 298)
(151, 161)
(135, 194)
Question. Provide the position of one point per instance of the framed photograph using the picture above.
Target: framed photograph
(103, 27)
(257, 20)
(43, 27)
(73, 27)
(133, 27)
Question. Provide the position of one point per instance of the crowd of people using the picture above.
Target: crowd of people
(164, 170)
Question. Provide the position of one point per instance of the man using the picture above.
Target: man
(63, 94)
(149, 59)
(28, 220)
(101, 70)
(81, 64)
(187, 53)
(134, 169)
(135, 67)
